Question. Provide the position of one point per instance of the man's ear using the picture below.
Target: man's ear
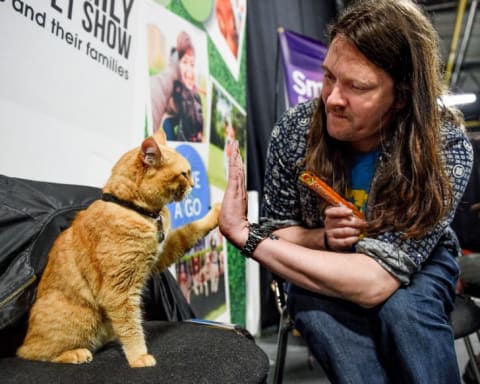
(151, 154)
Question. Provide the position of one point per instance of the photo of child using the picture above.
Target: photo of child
(228, 124)
(178, 73)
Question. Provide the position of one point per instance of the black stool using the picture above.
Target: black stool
(186, 353)
(465, 320)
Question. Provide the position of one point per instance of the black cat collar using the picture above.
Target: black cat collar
(143, 211)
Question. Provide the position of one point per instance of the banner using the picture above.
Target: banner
(70, 102)
(197, 87)
(301, 58)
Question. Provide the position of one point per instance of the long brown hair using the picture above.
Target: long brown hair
(413, 192)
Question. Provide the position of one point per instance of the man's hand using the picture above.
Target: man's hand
(233, 221)
(342, 228)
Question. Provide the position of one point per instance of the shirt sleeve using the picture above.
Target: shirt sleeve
(403, 257)
(285, 154)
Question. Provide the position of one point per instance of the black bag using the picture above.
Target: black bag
(32, 214)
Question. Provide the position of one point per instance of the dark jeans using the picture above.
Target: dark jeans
(407, 339)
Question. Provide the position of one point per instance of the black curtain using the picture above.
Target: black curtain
(265, 87)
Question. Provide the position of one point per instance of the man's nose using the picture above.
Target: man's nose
(336, 97)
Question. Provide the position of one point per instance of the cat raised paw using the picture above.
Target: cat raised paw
(213, 215)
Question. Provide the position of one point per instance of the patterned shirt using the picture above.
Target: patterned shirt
(286, 199)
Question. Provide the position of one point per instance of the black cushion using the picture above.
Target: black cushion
(185, 352)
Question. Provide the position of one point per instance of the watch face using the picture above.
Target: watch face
(199, 10)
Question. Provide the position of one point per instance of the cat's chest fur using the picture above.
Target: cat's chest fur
(120, 237)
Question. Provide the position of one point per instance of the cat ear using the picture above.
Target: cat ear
(151, 154)
(160, 136)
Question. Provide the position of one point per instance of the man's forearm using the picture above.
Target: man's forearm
(307, 237)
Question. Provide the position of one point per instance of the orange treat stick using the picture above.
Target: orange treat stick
(326, 192)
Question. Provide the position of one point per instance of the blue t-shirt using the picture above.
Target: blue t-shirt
(363, 170)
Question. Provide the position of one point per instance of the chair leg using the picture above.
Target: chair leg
(282, 341)
(473, 359)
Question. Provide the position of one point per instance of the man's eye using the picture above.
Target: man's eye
(359, 87)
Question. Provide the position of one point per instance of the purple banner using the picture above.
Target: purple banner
(302, 58)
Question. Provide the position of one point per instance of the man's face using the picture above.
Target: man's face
(358, 96)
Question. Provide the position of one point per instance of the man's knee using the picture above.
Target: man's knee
(406, 310)
(397, 309)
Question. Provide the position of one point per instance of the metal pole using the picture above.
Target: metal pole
(464, 44)
(456, 35)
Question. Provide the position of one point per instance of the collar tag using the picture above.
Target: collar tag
(161, 233)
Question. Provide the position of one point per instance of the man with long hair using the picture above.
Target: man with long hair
(370, 294)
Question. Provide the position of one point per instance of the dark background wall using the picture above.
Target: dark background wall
(265, 86)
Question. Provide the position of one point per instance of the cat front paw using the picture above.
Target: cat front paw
(214, 214)
(75, 356)
(144, 361)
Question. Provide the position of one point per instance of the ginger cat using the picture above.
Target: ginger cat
(90, 291)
